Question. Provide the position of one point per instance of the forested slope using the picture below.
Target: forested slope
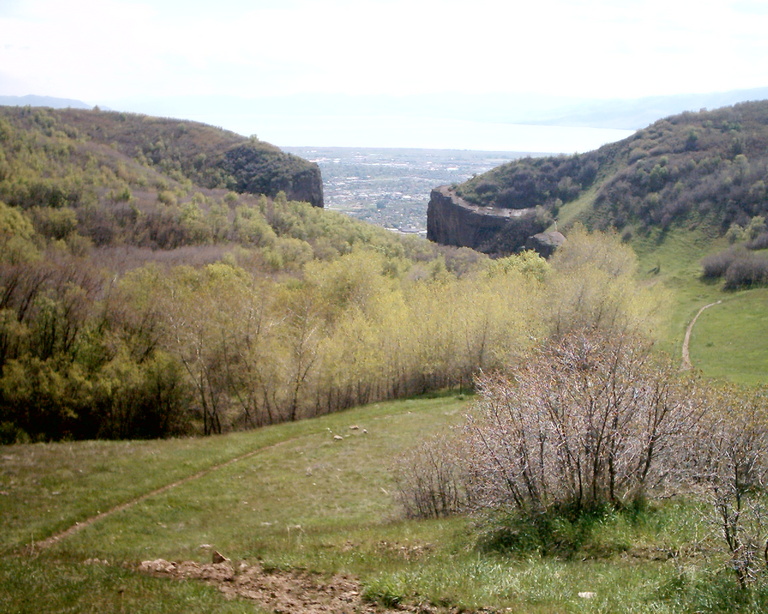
(135, 302)
(705, 168)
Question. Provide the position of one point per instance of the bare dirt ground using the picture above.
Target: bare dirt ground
(281, 591)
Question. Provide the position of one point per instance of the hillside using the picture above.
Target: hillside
(185, 151)
(693, 169)
(142, 296)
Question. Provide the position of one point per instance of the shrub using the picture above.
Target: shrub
(759, 242)
(587, 422)
(715, 265)
(429, 480)
(730, 463)
(747, 270)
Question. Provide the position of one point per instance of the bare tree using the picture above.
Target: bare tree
(730, 462)
(430, 479)
(586, 421)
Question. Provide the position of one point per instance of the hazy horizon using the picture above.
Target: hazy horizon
(485, 63)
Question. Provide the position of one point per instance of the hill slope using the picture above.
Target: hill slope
(207, 156)
(695, 168)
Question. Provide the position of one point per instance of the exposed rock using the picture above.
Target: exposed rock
(452, 220)
(545, 243)
(217, 557)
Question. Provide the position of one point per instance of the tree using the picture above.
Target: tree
(593, 286)
(728, 462)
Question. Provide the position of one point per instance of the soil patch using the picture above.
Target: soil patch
(280, 591)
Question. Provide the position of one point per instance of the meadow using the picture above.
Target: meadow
(319, 495)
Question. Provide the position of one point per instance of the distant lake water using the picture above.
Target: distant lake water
(421, 132)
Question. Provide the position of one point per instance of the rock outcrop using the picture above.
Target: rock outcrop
(545, 243)
(258, 170)
(452, 220)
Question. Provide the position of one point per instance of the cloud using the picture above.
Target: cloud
(109, 49)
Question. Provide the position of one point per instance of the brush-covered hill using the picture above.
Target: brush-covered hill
(706, 168)
(185, 151)
(142, 295)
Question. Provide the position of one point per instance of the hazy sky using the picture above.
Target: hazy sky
(101, 51)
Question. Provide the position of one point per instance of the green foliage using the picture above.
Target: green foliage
(166, 303)
(561, 532)
(694, 168)
(531, 182)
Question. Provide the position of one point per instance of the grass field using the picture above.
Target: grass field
(305, 499)
(729, 340)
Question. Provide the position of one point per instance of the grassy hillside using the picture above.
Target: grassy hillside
(681, 190)
(305, 499)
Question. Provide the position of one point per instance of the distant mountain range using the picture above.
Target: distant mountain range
(43, 101)
(237, 113)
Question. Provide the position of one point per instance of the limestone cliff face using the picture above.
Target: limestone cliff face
(452, 220)
(266, 171)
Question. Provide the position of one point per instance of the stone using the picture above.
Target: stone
(451, 220)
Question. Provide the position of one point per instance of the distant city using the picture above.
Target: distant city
(391, 187)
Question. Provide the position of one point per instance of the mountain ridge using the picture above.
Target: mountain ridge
(704, 168)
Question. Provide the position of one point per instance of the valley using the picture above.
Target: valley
(390, 187)
(215, 396)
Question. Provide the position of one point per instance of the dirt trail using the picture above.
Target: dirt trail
(686, 363)
(53, 539)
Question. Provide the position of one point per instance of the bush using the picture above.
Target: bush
(590, 421)
(759, 242)
(429, 480)
(715, 265)
(747, 270)
(730, 464)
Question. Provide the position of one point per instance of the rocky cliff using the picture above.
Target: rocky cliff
(451, 220)
(257, 170)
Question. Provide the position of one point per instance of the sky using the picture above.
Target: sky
(126, 53)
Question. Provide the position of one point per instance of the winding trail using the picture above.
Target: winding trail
(686, 362)
(53, 539)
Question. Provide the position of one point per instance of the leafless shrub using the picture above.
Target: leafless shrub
(429, 479)
(732, 468)
(588, 421)
(715, 265)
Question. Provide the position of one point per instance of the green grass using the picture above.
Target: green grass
(306, 500)
(730, 341)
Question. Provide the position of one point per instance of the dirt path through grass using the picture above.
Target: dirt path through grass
(53, 539)
(686, 362)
